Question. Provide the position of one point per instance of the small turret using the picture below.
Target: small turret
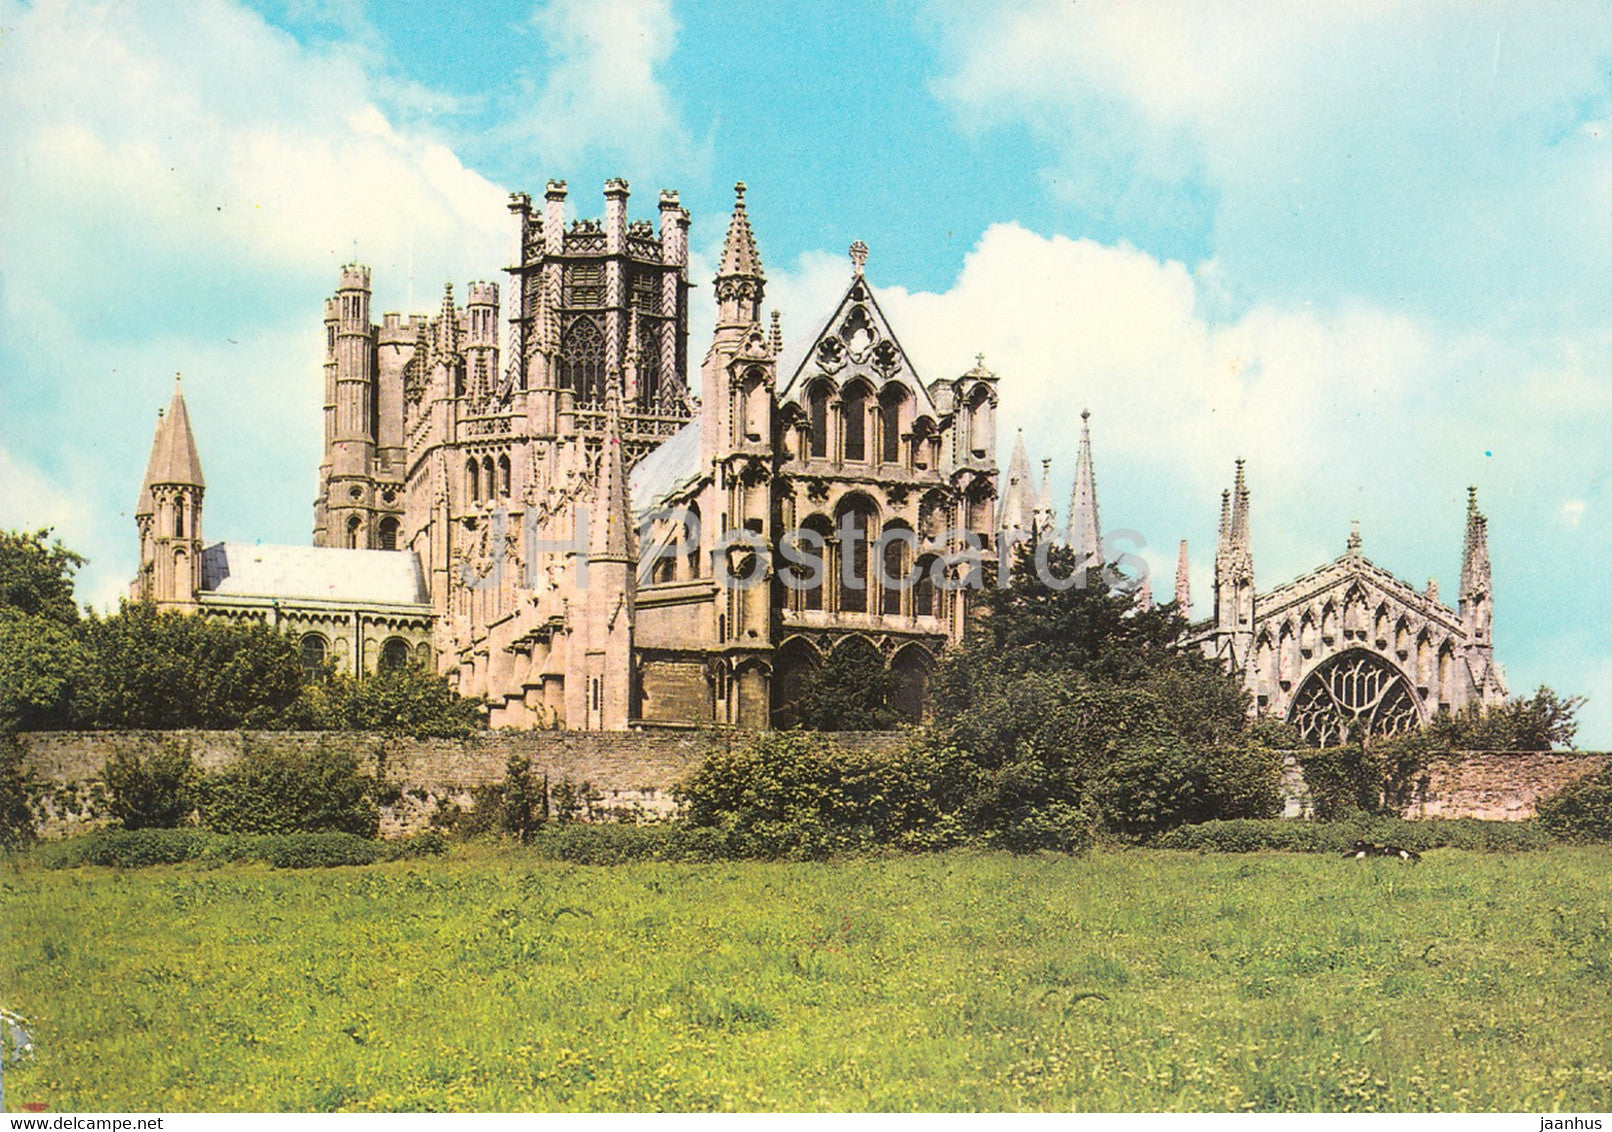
(740, 281)
(1085, 529)
(1476, 595)
(169, 513)
(1183, 582)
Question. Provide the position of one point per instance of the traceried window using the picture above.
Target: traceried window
(1354, 692)
(582, 362)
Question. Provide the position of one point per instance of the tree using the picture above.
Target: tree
(850, 691)
(37, 579)
(40, 660)
(403, 701)
(1536, 723)
(1075, 701)
(41, 667)
(157, 671)
(16, 815)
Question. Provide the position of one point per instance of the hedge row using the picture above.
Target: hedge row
(137, 848)
(1249, 836)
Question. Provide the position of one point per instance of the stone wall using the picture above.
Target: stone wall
(636, 770)
(1492, 785)
(629, 770)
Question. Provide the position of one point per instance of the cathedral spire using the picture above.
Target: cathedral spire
(1043, 508)
(173, 459)
(1018, 506)
(1239, 510)
(1183, 582)
(1476, 595)
(740, 281)
(611, 536)
(1085, 530)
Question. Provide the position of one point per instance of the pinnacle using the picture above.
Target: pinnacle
(739, 255)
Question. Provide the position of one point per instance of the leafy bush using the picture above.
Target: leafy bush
(1248, 836)
(1057, 826)
(793, 794)
(155, 792)
(1536, 723)
(1581, 810)
(133, 849)
(279, 791)
(524, 804)
(1149, 787)
(1379, 777)
(403, 701)
(610, 843)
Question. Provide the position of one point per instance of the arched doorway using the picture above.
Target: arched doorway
(793, 666)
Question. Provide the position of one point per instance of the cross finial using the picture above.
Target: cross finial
(1085, 414)
(859, 256)
(1354, 536)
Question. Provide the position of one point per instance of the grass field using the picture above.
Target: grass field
(492, 980)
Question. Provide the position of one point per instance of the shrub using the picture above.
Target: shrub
(524, 802)
(1537, 723)
(157, 792)
(404, 701)
(794, 794)
(1379, 777)
(1581, 810)
(1150, 787)
(126, 848)
(1058, 826)
(1248, 836)
(133, 849)
(608, 843)
(280, 791)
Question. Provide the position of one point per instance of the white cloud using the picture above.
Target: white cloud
(177, 186)
(601, 90)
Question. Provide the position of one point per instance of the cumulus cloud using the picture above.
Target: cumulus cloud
(177, 186)
(1435, 156)
(601, 91)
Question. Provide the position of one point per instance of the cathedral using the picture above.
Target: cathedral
(560, 529)
(548, 515)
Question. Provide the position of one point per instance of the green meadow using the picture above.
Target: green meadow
(492, 979)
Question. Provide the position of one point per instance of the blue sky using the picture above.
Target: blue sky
(1366, 249)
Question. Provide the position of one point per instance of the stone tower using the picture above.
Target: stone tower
(169, 514)
(595, 303)
(1234, 576)
(737, 433)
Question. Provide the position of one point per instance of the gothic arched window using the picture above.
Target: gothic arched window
(817, 421)
(858, 522)
(890, 405)
(179, 518)
(388, 533)
(472, 480)
(503, 476)
(1355, 692)
(353, 526)
(854, 418)
(582, 361)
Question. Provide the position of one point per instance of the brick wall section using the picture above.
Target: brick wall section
(1501, 786)
(631, 769)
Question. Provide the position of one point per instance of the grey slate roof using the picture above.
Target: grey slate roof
(318, 573)
(666, 471)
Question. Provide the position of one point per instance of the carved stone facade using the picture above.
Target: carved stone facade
(1348, 647)
(574, 510)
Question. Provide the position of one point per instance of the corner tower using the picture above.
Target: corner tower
(169, 513)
